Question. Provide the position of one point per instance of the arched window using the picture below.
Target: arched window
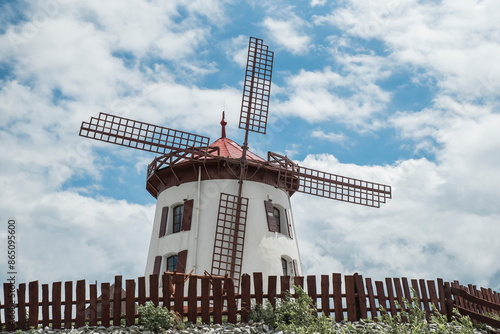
(276, 214)
(177, 221)
(284, 265)
(171, 263)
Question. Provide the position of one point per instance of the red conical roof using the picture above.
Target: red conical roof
(230, 149)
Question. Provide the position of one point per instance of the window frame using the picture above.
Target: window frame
(172, 257)
(177, 214)
(284, 266)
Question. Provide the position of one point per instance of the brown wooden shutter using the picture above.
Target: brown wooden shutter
(289, 223)
(181, 261)
(163, 224)
(271, 221)
(156, 268)
(187, 215)
(295, 268)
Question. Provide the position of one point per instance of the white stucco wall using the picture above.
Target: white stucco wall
(263, 250)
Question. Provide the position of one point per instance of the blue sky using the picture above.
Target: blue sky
(402, 92)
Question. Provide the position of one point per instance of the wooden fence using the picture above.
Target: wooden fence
(210, 298)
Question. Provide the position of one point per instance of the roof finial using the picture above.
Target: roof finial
(223, 123)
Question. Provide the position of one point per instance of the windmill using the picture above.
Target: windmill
(209, 196)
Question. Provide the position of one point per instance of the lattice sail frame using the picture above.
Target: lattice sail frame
(341, 188)
(143, 136)
(230, 237)
(257, 87)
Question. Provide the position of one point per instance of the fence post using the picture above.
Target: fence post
(141, 290)
(245, 297)
(130, 301)
(217, 286)
(68, 304)
(56, 305)
(105, 304)
(257, 285)
(80, 304)
(192, 300)
(350, 298)
(9, 290)
(325, 295)
(93, 305)
(448, 301)
(337, 297)
(271, 290)
(205, 299)
(231, 300)
(179, 294)
(21, 306)
(45, 305)
(360, 289)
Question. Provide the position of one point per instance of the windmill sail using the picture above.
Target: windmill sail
(341, 188)
(257, 87)
(139, 135)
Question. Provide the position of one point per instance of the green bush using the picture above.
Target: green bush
(299, 315)
(156, 318)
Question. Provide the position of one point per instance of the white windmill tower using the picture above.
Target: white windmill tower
(221, 208)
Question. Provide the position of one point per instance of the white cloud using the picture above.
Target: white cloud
(286, 33)
(330, 136)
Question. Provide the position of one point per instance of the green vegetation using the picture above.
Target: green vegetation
(156, 318)
(298, 315)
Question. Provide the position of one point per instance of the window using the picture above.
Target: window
(171, 263)
(284, 265)
(276, 215)
(177, 221)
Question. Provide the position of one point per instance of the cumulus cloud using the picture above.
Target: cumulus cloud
(286, 33)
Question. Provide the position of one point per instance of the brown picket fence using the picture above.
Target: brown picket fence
(212, 299)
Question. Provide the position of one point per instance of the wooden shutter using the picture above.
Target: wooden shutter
(181, 261)
(187, 215)
(289, 223)
(295, 268)
(271, 221)
(156, 268)
(163, 224)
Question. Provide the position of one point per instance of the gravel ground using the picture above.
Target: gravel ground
(250, 328)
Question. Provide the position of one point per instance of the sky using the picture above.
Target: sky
(404, 93)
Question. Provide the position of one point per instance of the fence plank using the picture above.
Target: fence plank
(218, 302)
(414, 285)
(390, 296)
(337, 296)
(153, 289)
(381, 296)
(350, 298)
(425, 299)
(130, 301)
(271, 289)
(284, 285)
(68, 304)
(371, 298)
(311, 289)
(431, 286)
(400, 297)
(205, 300)
(56, 305)
(167, 289)
(80, 303)
(179, 294)
(325, 295)
(117, 301)
(448, 301)
(361, 300)
(245, 297)
(45, 305)
(33, 304)
(257, 285)
(93, 305)
(105, 307)
(141, 291)
(406, 289)
(21, 306)
(442, 299)
(231, 300)
(9, 291)
(298, 281)
(192, 302)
